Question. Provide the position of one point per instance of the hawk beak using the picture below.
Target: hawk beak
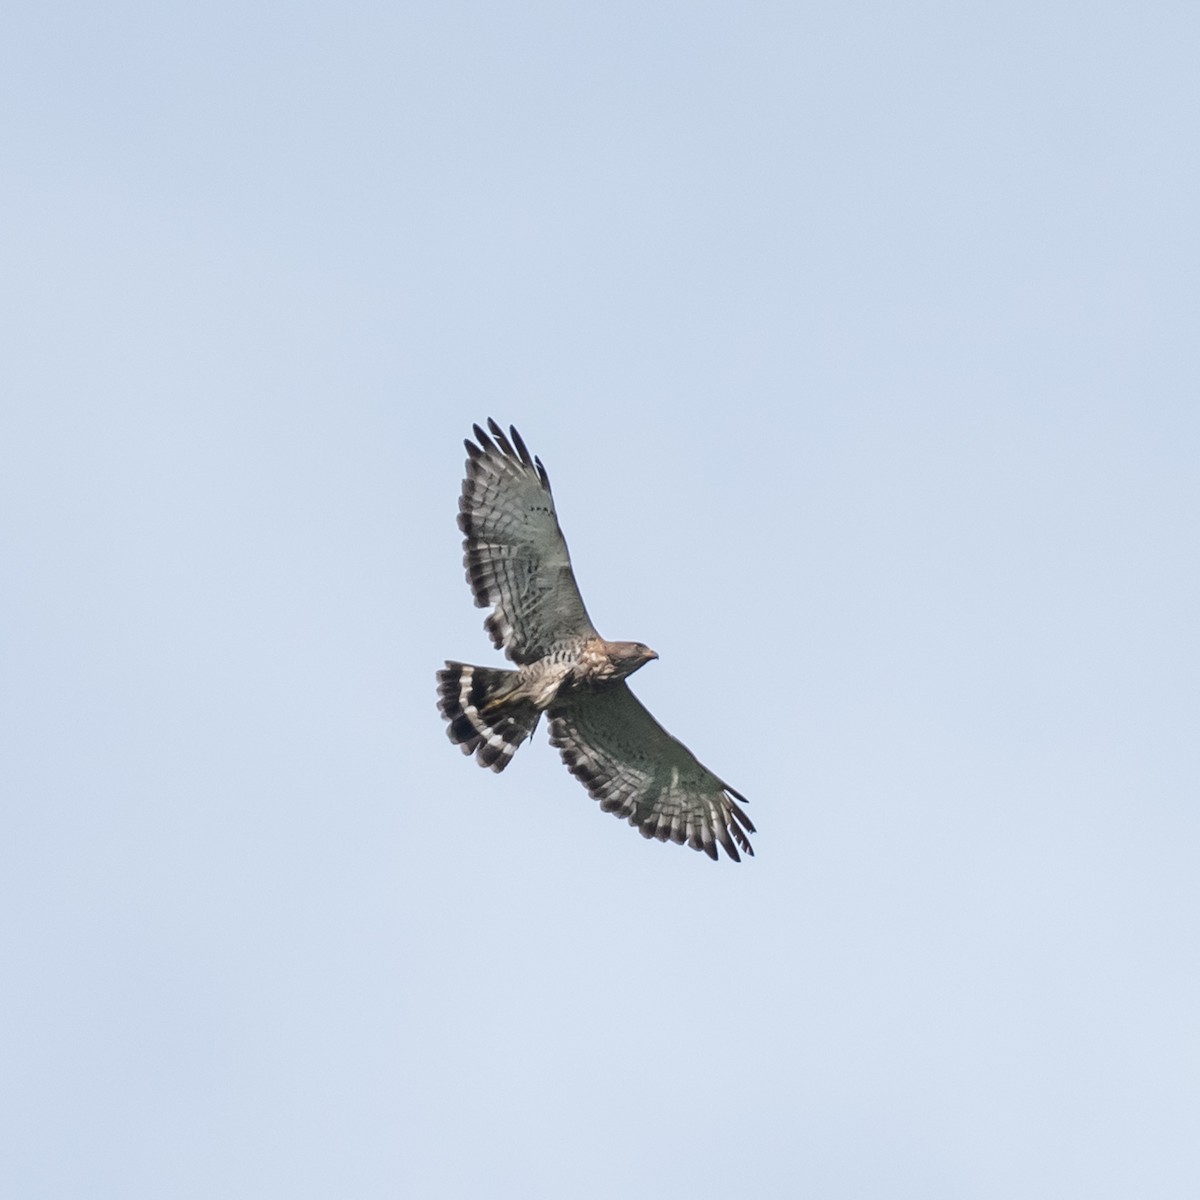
(650, 654)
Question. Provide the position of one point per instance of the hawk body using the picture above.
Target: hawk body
(517, 564)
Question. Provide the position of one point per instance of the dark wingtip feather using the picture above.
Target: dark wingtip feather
(727, 842)
(522, 449)
(502, 439)
(510, 444)
(739, 814)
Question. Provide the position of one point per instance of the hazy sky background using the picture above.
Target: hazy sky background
(861, 344)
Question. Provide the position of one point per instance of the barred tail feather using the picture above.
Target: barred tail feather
(472, 700)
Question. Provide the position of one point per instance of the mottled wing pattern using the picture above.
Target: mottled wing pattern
(514, 552)
(635, 768)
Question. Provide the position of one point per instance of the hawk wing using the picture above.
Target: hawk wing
(635, 768)
(515, 554)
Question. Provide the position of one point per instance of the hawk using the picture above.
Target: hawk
(517, 565)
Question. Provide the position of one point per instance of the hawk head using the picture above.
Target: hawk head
(627, 657)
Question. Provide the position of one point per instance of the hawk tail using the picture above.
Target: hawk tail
(483, 720)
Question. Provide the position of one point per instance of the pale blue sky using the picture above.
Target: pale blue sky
(860, 343)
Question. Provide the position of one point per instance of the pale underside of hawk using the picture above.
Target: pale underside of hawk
(518, 566)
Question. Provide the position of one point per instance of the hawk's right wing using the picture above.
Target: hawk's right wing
(635, 768)
(515, 554)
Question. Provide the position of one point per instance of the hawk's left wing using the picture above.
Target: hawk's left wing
(635, 768)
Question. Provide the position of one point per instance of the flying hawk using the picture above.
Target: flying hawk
(517, 565)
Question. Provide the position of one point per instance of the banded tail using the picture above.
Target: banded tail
(483, 720)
